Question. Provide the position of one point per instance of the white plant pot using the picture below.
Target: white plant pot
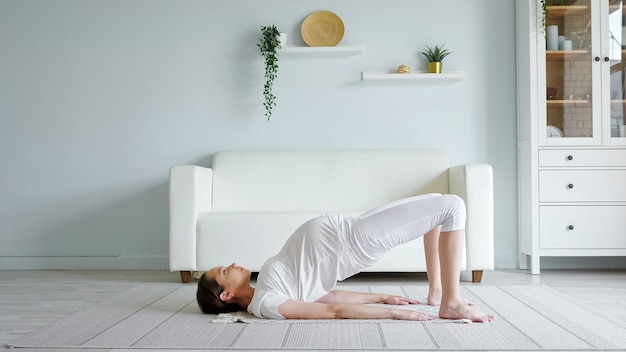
(282, 39)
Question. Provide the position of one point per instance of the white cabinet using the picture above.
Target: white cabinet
(571, 135)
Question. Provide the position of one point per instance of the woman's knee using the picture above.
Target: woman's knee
(456, 202)
(457, 210)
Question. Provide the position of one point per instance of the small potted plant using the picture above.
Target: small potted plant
(269, 43)
(435, 57)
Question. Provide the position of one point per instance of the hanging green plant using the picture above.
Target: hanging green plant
(544, 12)
(544, 15)
(268, 44)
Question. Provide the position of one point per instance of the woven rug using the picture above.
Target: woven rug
(165, 316)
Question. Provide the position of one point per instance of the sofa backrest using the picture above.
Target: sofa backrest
(325, 181)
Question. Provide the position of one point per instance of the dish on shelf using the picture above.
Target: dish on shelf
(322, 28)
(553, 131)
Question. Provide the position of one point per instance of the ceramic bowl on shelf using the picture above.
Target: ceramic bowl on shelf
(553, 131)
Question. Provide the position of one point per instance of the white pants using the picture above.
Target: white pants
(370, 235)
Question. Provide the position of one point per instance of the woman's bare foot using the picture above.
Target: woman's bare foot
(463, 311)
(434, 298)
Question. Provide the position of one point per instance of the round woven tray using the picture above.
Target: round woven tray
(322, 28)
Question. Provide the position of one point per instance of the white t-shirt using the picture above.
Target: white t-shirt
(306, 268)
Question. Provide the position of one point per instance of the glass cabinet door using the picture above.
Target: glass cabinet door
(573, 70)
(615, 36)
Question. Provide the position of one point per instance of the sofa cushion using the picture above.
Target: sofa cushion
(323, 181)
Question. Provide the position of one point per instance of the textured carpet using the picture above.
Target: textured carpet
(165, 316)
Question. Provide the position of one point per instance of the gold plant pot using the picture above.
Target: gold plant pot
(434, 67)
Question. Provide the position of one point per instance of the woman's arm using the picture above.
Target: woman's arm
(293, 309)
(339, 296)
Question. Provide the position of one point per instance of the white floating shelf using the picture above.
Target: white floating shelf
(389, 76)
(307, 50)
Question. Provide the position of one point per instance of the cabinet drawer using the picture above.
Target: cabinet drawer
(577, 227)
(582, 185)
(581, 158)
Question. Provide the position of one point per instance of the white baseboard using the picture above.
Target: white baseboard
(84, 263)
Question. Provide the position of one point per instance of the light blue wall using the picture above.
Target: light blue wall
(99, 98)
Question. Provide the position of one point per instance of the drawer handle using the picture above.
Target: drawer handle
(570, 157)
(571, 185)
(570, 227)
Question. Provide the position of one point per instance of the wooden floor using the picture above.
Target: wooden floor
(30, 300)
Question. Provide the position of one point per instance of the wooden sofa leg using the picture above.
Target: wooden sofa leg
(477, 276)
(185, 277)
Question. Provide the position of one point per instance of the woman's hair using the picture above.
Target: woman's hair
(208, 296)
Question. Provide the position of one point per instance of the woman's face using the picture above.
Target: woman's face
(231, 276)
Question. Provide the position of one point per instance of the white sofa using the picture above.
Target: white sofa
(244, 207)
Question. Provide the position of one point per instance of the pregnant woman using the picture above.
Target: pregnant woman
(298, 282)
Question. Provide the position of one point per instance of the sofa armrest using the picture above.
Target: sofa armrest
(474, 183)
(190, 192)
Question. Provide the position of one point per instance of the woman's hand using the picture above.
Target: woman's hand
(405, 314)
(398, 300)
